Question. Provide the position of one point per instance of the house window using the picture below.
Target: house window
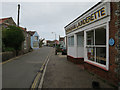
(36, 38)
(27, 35)
(96, 45)
(71, 41)
(35, 44)
(25, 45)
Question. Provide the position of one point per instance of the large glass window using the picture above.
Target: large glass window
(100, 36)
(96, 45)
(80, 40)
(91, 54)
(101, 55)
(90, 37)
(71, 41)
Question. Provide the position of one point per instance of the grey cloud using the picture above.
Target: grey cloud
(46, 17)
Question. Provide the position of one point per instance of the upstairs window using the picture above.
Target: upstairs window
(36, 38)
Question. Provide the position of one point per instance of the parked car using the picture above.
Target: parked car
(64, 51)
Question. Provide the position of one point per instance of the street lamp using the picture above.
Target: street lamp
(55, 37)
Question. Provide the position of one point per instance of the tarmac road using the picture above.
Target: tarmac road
(20, 73)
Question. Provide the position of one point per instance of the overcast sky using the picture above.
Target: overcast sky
(46, 17)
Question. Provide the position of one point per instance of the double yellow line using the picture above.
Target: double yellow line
(39, 74)
(35, 81)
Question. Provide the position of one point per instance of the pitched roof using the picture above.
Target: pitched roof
(4, 19)
(23, 28)
(31, 32)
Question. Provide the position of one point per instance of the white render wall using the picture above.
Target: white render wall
(80, 52)
(76, 51)
(71, 51)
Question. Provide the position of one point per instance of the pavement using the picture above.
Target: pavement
(61, 73)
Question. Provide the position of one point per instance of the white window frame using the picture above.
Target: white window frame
(105, 67)
(69, 41)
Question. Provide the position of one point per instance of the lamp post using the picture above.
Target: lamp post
(55, 38)
(55, 43)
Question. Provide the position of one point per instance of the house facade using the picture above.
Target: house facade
(34, 39)
(26, 45)
(61, 41)
(5, 22)
(93, 40)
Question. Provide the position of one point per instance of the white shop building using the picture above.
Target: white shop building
(88, 38)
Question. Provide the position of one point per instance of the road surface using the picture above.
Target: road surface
(20, 73)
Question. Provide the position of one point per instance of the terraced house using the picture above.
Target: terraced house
(34, 39)
(5, 22)
(93, 39)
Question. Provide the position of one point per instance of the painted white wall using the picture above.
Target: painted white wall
(80, 52)
(71, 51)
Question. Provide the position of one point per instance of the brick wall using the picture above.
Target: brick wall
(113, 50)
(75, 60)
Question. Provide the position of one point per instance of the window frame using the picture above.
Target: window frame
(70, 40)
(105, 67)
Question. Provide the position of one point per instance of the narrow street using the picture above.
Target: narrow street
(20, 73)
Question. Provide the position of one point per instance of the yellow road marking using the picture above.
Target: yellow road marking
(33, 86)
(36, 80)
(38, 75)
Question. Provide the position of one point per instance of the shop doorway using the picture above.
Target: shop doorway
(80, 44)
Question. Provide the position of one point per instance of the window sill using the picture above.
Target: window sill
(96, 64)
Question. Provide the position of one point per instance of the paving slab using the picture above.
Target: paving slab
(61, 73)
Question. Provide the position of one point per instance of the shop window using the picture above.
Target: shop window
(96, 45)
(101, 55)
(91, 54)
(100, 36)
(90, 37)
(71, 41)
(80, 40)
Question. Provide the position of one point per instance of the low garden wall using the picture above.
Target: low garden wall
(8, 55)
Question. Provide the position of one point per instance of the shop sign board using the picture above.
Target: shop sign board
(91, 17)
